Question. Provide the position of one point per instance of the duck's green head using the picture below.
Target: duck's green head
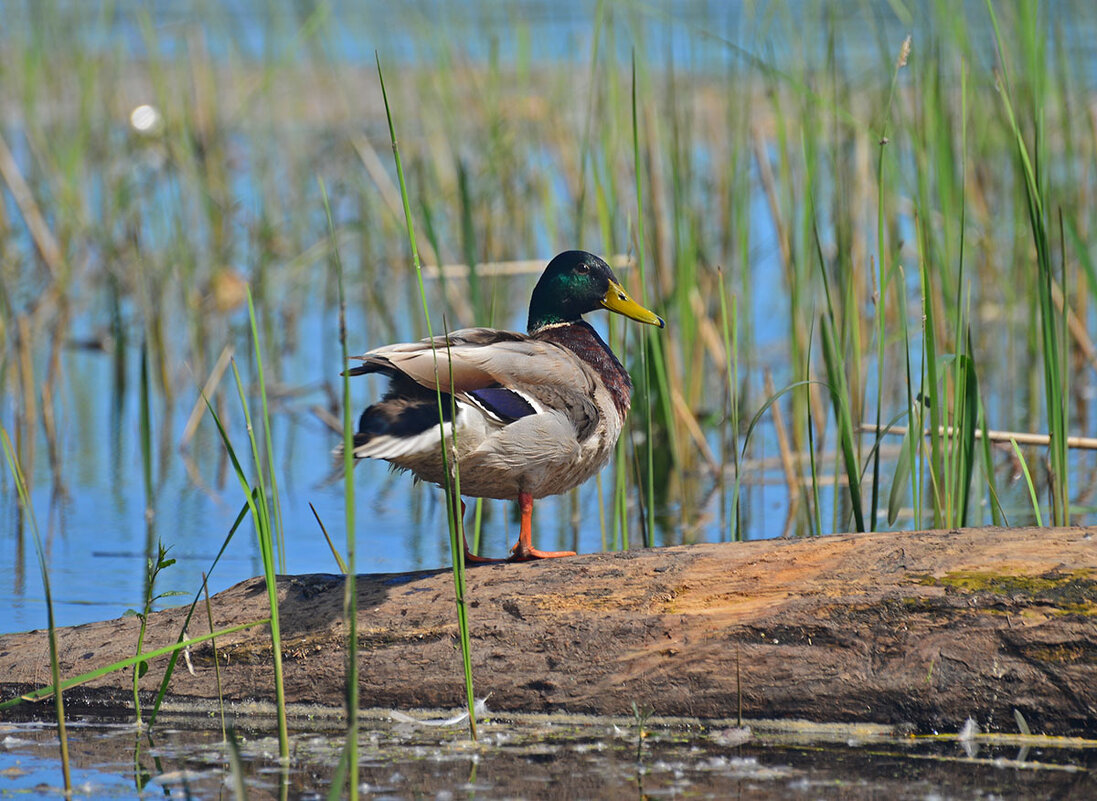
(577, 282)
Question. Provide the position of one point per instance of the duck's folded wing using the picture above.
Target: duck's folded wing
(508, 376)
(481, 358)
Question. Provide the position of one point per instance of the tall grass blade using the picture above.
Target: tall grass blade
(647, 519)
(216, 658)
(338, 557)
(839, 395)
(929, 397)
(883, 276)
(265, 467)
(55, 665)
(1028, 482)
(1055, 384)
(967, 423)
(900, 477)
(816, 515)
(259, 508)
(838, 387)
(452, 484)
(997, 514)
(122, 664)
(912, 443)
(350, 591)
(729, 327)
(146, 433)
(457, 548)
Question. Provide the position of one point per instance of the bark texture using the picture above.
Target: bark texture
(920, 628)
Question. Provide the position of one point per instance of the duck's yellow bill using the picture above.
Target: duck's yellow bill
(617, 300)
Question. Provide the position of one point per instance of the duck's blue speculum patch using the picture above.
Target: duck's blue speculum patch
(508, 406)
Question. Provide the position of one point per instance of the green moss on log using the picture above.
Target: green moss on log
(1073, 592)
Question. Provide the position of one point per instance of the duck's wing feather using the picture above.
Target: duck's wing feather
(506, 374)
(442, 356)
(479, 358)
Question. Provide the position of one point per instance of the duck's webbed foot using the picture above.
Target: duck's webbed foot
(523, 551)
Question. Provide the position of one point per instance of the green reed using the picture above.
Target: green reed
(453, 481)
(122, 664)
(1028, 482)
(884, 275)
(648, 518)
(51, 627)
(216, 659)
(350, 594)
(729, 328)
(260, 506)
(815, 515)
(840, 396)
(1052, 327)
(349, 764)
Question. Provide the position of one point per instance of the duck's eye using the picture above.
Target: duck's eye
(583, 268)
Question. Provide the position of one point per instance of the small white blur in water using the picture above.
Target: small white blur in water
(146, 119)
(480, 707)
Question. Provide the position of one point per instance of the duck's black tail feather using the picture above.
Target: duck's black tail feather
(406, 410)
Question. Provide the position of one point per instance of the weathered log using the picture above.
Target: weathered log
(923, 628)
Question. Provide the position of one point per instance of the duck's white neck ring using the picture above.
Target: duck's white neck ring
(548, 326)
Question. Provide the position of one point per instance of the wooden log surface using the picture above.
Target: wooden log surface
(914, 628)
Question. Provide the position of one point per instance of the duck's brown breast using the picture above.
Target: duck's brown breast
(582, 340)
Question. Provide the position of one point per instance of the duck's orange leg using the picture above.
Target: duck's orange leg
(524, 550)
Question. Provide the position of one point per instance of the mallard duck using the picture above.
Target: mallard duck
(537, 414)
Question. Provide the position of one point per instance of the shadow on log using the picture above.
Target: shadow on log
(922, 629)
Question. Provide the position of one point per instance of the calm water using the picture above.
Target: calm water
(551, 758)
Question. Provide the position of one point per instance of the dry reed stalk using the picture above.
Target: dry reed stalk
(391, 195)
(32, 215)
(1076, 326)
(24, 434)
(787, 460)
(769, 185)
(207, 392)
(1020, 437)
(683, 413)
